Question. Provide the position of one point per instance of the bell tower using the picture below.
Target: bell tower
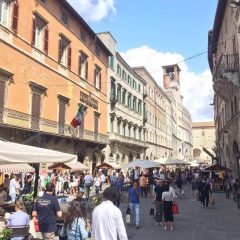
(171, 76)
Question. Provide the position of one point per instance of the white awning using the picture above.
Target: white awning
(77, 166)
(19, 153)
(16, 168)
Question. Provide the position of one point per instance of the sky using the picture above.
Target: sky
(154, 33)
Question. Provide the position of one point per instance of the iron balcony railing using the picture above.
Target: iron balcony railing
(227, 64)
(22, 120)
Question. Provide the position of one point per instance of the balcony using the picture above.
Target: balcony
(113, 98)
(226, 76)
(12, 118)
(127, 140)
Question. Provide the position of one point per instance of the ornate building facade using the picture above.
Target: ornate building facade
(126, 109)
(50, 67)
(223, 56)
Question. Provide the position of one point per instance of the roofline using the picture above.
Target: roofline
(172, 65)
(130, 69)
(161, 90)
(75, 14)
(107, 32)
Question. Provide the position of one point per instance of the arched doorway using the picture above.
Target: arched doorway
(94, 162)
(236, 156)
(130, 157)
(117, 158)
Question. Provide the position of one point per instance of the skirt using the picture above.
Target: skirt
(167, 209)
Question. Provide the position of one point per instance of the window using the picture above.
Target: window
(62, 105)
(4, 12)
(129, 100)
(129, 80)
(119, 93)
(134, 133)
(124, 75)
(64, 16)
(119, 127)
(124, 129)
(111, 124)
(134, 104)
(124, 96)
(139, 87)
(97, 50)
(111, 62)
(139, 106)
(118, 70)
(134, 84)
(40, 33)
(129, 131)
(97, 78)
(65, 52)
(83, 66)
(83, 35)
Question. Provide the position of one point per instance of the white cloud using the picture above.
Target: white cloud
(94, 10)
(195, 88)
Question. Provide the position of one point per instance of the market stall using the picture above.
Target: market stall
(218, 178)
(16, 168)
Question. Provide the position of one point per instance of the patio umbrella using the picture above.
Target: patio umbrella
(176, 162)
(77, 166)
(141, 164)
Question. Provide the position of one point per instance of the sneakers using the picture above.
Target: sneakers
(171, 228)
(157, 224)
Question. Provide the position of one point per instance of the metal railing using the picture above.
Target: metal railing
(26, 121)
(227, 64)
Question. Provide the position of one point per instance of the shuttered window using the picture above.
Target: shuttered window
(64, 52)
(97, 78)
(36, 105)
(15, 17)
(2, 93)
(83, 66)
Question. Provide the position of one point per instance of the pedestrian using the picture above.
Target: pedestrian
(13, 189)
(205, 189)
(113, 179)
(88, 181)
(157, 199)
(167, 201)
(134, 203)
(194, 188)
(179, 183)
(238, 193)
(6, 183)
(97, 183)
(46, 210)
(3, 196)
(228, 188)
(103, 180)
(75, 225)
(107, 221)
(143, 185)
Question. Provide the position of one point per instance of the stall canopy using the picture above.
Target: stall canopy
(59, 166)
(142, 164)
(19, 153)
(216, 167)
(111, 165)
(176, 162)
(16, 168)
(77, 166)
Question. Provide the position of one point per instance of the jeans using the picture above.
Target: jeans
(159, 211)
(238, 201)
(134, 208)
(144, 190)
(228, 193)
(13, 197)
(87, 189)
(205, 199)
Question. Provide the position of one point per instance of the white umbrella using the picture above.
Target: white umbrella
(176, 162)
(19, 153)
(141, 164)
(160, 160)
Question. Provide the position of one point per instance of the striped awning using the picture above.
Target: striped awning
(16, 168)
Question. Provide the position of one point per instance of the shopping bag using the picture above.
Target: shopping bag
(175, 208)
(151, 211)
(128, 215)
(36, 226)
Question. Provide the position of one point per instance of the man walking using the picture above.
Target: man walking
(134, 203)
(107, 222)
(88, 181)
(46, 210)
(157, 199)
(205, 189)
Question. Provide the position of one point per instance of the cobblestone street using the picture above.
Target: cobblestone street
(193, 223)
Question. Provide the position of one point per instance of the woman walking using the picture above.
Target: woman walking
(75, 225)
(167, 201)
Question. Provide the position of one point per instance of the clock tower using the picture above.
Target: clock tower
(171, 76)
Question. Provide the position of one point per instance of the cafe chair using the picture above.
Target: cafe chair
(20, 231)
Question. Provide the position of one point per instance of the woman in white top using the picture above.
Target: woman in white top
(167, 200)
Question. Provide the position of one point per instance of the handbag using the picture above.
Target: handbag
(128, 215)
(175, 209)
(151, 211)
(36, 226)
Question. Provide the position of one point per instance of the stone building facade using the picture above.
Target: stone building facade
(204, 139)
(126, 109)
(223, 56)
(50, 66)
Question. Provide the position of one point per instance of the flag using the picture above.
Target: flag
(77, 120)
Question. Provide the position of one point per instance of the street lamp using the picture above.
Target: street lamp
(234, 4)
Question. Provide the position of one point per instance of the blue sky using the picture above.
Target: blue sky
(165, 25)
(154, 33)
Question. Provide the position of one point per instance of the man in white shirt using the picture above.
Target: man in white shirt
(107, 221)
(12, 189)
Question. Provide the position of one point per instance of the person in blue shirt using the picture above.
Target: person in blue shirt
(46, 210)
(18, 219)
(134, 203)
(75, 225)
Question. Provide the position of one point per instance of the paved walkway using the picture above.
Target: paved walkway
(193, 223)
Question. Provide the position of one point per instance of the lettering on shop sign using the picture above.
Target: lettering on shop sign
(88, 100)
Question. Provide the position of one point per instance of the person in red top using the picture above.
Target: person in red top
(143, 185)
